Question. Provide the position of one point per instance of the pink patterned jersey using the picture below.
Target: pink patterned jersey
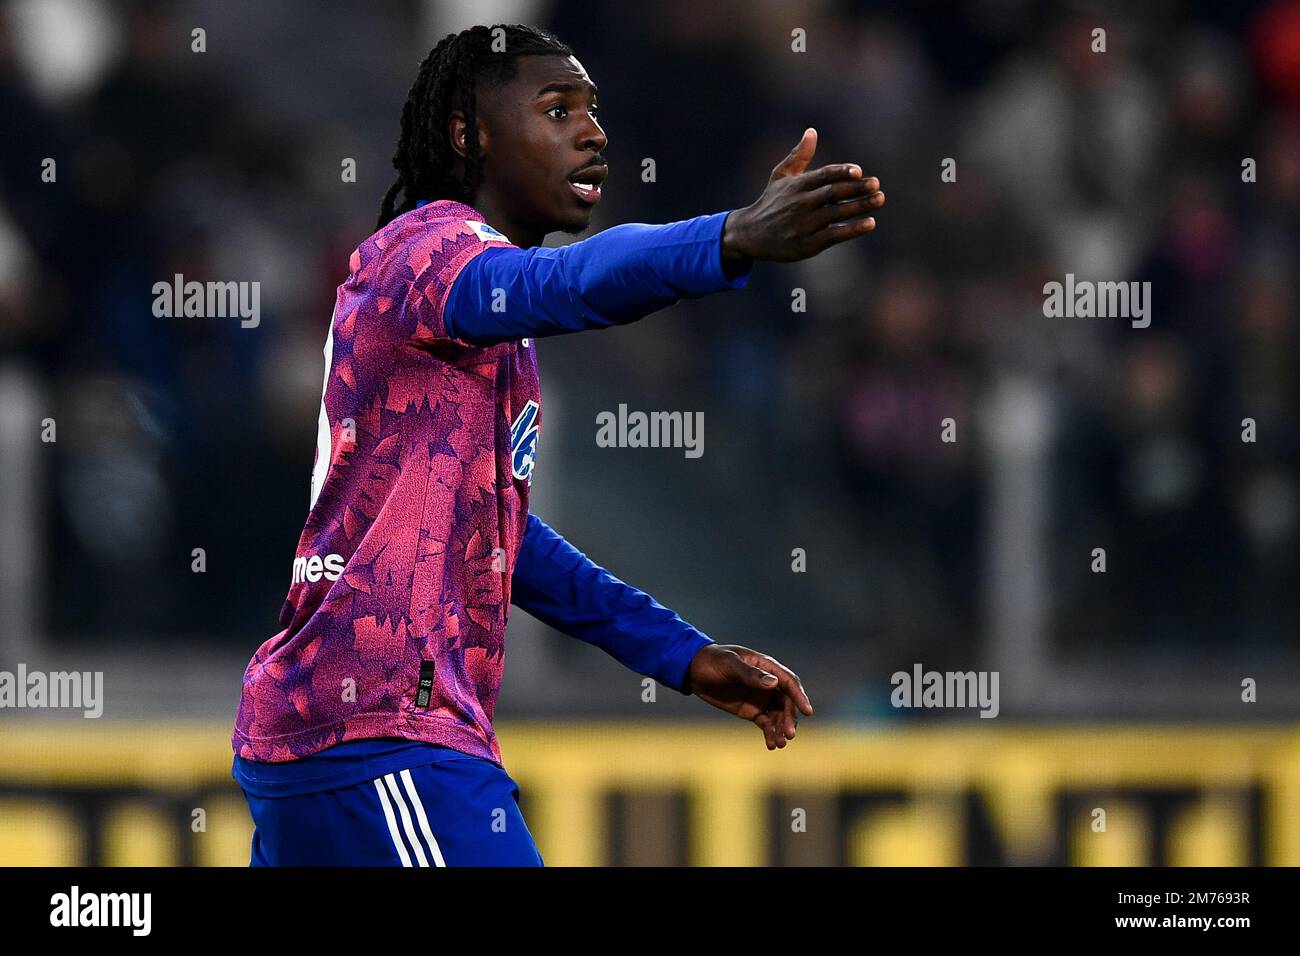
(395, 622)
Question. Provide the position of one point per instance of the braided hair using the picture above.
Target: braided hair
(424, 159)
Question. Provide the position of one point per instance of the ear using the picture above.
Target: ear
(457, 128)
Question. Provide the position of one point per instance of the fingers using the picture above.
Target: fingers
(833, 173)
(779, 697)
(781, 718)
(843, 189)
(752, 676)
(770, 736)
(769, 722)
(799, 157)
(851, 209)
(789, 719)
(838, 202)
(842, 232)
(790, 685)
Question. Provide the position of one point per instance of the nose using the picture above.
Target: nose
(592, 136)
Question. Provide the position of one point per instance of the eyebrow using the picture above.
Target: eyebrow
(566, 87)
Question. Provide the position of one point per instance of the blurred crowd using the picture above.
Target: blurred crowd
(1122, 165)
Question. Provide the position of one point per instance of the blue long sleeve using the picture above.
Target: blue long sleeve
(562, 587)
(612, 278)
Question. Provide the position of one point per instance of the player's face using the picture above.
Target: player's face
(542, 152)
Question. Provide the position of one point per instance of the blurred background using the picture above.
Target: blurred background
(1119, 690)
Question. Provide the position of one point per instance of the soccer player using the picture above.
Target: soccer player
(364, 732)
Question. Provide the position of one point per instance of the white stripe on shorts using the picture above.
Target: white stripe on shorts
(424, 820)
(406, 820)
(392, 823)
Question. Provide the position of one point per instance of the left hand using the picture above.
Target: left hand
(752, 686)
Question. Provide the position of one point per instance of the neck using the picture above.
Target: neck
(495, 215)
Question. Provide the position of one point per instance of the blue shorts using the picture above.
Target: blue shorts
(460, 811)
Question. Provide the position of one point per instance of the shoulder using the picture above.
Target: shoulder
(435, 240)
(445, 223)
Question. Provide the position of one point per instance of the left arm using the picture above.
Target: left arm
(560, 586)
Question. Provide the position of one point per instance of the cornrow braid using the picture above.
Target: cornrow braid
(424, 159)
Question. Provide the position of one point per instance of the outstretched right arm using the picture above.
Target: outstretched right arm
(615, 277)
(629, 271)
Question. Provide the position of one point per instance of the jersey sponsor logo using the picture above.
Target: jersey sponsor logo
(313, 567)
(485, 232)
(523, 442)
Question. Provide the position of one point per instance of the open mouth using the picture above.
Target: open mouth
(586, 184)
(587, 192)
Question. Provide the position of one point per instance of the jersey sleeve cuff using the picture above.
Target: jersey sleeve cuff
(677, 663)
(737, 277)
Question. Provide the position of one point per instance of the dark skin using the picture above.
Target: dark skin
(538, 134)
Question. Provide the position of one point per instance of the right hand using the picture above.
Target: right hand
(801, 213)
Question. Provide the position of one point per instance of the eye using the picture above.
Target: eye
(560, 108)
(595, 110)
